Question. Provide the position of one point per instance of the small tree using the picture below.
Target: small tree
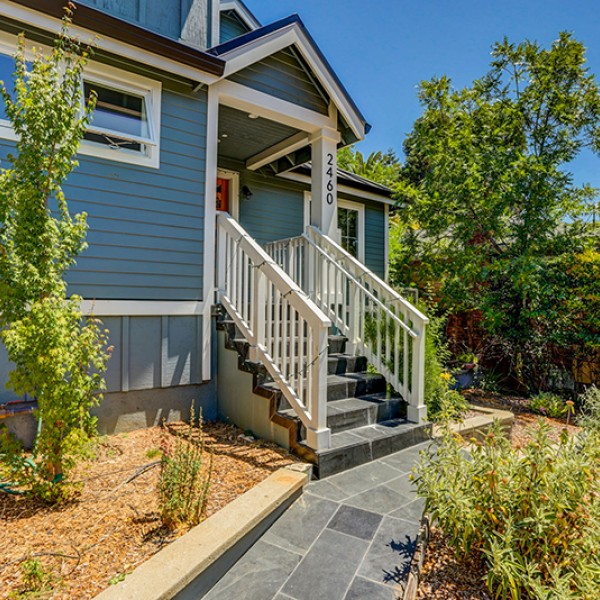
(58, 355)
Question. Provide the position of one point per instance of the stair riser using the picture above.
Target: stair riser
(355, 388)
(341, 459)
(390, 409)
(339, 365)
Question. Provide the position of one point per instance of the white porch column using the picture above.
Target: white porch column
(323, 207)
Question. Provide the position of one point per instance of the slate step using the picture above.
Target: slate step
(365, 444)
(350, 413)
(338, 364)
(354, 385)
(337, 344)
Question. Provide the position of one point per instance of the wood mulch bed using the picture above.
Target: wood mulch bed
(445, 576)
(113, 524)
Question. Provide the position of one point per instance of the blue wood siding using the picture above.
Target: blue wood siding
(149, 353)
(375, 235)
(230, 27)
(146, 226)
(282, 75)
(163, 16)
(275, 210)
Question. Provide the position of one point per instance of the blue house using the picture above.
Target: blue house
(225, 246)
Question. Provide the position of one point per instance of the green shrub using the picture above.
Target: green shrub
(548, 405)
(442, 403)
(534, 515)
(590, 407)
(184, 480)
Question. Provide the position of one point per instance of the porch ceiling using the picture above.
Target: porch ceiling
(241, 137)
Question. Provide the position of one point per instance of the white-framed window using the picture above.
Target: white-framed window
(126, 122)
(350, 225)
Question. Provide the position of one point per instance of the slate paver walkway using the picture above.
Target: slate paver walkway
(349, 537)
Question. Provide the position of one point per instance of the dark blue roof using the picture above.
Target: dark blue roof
(275, 26)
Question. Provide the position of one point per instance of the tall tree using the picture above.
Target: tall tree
(495, 212)
(381, 167)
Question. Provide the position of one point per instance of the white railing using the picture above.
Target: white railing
(286, 331)
(377, 320)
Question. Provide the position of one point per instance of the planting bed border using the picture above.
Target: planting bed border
(477, 426)
(190, 566)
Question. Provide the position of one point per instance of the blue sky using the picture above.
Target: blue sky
(382, 49)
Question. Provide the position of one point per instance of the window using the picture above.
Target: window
(351, 227)
(7, 68)
(126, 121)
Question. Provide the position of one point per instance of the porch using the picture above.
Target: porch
(309, 321)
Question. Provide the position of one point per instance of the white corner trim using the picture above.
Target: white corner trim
(210, 224)
(291, 144)
(264, 105)
(215, 25)
(256, 50)
(139, 308)
(242, 12)
(112, 45)
(234, 191)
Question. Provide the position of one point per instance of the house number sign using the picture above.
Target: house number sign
(329, 178)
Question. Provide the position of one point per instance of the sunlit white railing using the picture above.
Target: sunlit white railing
(286, 331)
(377, 320)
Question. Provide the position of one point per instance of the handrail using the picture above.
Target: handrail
(377, 320)
(286, 330)
(367, 292)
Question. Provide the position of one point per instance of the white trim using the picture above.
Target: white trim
(264, 105)
(234, 191)
(256, 50)
(360, 209)
(136, 308)
(112, 45)
(242, 12)
(291, 144)
(386, 243)
(215, 26)
(306, 212)
(135, 84)
(344, 189)
(210, 224)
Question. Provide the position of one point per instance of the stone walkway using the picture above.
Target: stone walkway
(348, 537)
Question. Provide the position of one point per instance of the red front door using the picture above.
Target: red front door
(223, 194)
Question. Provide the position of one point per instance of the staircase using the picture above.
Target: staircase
(279, 307)
(367, 420)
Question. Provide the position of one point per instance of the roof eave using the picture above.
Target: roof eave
(106, 25)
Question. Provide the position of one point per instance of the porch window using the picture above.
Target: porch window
(351, 228)
(348, 226)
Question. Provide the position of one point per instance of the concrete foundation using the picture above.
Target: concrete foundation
(238, 404)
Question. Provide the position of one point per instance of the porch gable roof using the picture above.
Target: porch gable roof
(256, 45)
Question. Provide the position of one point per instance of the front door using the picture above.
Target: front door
(223, 194)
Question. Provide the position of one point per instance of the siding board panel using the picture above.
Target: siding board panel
(283, 76)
